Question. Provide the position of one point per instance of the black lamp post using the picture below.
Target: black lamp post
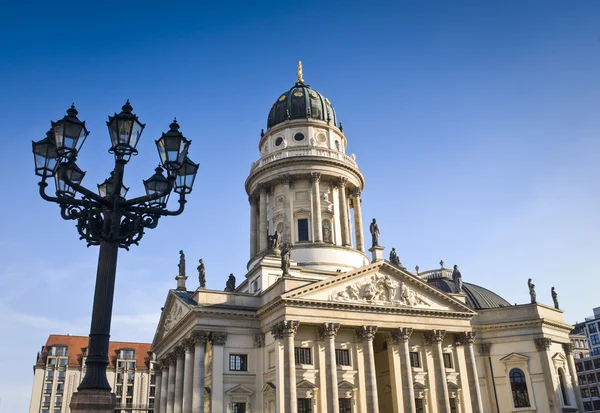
(108, 219)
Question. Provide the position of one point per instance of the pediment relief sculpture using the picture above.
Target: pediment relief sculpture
(175, 314)
(381, 289)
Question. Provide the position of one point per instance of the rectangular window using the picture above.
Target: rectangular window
(591, 378)
(587, 406)
(448, 360)
(238, 362)
(592, 328)
(585, 393)
(582, 379)
(414, 359)
(61, 375)
(578, 367)
(127, 354)
(302, 355)
(303, 230)
(596, 404)
(342, 357)
(238, 407)
(63, 361)
(305, 405)
(345, 405)
(594, 391)
(60, 387)
(596, 351)
(453, 405)
(272, 359)
(419, 405)
(58, 351)
(597, 363)
(588, 365)
(131, 365)
(50, 375)
(46, 401)
(594, 339)
(52, 361)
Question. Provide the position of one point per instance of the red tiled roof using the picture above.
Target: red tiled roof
(76, 345)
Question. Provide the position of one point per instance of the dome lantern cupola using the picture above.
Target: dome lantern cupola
(301, 102)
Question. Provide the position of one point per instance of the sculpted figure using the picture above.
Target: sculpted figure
(394, 260)
(531, 291)
(390, 286)
(202, 274)
(181, 263)
(230, 285)
(370, 292)
(353, 292)
(326, 232)
(273, 241)
(457, 278)
(285, 258)
(554, 298)
(374, 229)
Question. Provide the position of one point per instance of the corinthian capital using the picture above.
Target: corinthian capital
(328, 330)
(200, 337)
(341, 182)
(434, 336)
(400, 335)
(286, 179)
(543, 343)
(315, 176)
(464, 338)
(366, 333)
(284, 328)
(218, 338)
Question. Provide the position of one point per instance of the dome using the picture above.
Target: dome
(301, 102)
(478, 298)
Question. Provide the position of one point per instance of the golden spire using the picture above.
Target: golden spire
(299, 72)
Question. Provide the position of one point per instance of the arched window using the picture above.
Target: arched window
(518, 386)
(563, 388)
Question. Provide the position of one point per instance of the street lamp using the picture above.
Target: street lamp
(108, 219)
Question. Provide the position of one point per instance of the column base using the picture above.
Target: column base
(93, 401)
(376, 253)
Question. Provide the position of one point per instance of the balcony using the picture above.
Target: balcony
(303, 151)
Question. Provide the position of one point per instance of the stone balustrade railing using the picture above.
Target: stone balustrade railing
(310, 151)
(433, 274)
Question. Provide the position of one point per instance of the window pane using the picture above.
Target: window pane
(342, 357)
(303, 355)
(519, 388)
(414, 359)
(303, 230)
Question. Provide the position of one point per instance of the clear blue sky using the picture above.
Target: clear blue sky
(475, 124)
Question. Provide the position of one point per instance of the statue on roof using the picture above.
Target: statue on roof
(202, 274)
(374, 229)
(394, 259)
(286, 249)
(181, 264)
(531, 291)
(554, 298)
(230, 285)
(457, 278)
(299, 72)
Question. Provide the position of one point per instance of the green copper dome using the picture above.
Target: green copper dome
(301, 102)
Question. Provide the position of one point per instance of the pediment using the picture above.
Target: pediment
(305, 384)
(378, 285)
(346, 385)
(515, 358)
(269, 387)
(239, 390)
(174, 310)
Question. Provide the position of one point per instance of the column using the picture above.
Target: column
(180, 352)
(171, 384)
(543, 345)
(434, 338)
(218, 342)
(408, 389)
(262, 218)
(200, 338)
(328, 332)
(253, 215)
(157, 386)
(396, 381)
(568, 348)
(164, 365)
(259, 344)
(288, 210)
(286, 331)
(485, 351)
(466, 339)
(366, 335)
(315, 178)
(188, 376)
(341, 184)
(358, 228)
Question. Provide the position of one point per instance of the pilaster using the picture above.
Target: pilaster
(315, 178)
(328, 332)
(218, 340)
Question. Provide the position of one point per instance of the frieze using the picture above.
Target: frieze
(382, 290)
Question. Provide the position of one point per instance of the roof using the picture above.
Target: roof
(478, 298)
(77, 344)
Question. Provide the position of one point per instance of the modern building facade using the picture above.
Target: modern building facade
(591, 328)
(60, 367)
(334, 327)
(588, 375)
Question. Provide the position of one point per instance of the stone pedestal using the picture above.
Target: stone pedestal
(376, 253)
(93, 401)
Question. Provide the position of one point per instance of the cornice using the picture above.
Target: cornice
(529, 323)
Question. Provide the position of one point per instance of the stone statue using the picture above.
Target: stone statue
(326, 232)
(202, 274)
(230, 285)
(181, 263)
(457, 278)
(394, 260)
(554, 298)
(273, 241)
(374, 229)
(531, 291)
(285, 259)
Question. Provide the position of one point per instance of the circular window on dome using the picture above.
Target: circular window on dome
(321, 138)
(298, 94)
(298, 137)
(278, 141)
(282, 98)
(313, 95)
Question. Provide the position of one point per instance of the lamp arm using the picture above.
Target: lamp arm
(86, 192)
(160, 211)
(63, 201)
(147, 198)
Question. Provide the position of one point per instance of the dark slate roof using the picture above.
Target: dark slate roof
(301, 102)
(186, 296)
(478, 298)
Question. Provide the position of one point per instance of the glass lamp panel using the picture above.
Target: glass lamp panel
(125, 131)
(73, 174)
(157, 184)
(136, 132)
(44, 153)
(186, 176)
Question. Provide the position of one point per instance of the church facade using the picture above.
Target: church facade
(321, 324)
